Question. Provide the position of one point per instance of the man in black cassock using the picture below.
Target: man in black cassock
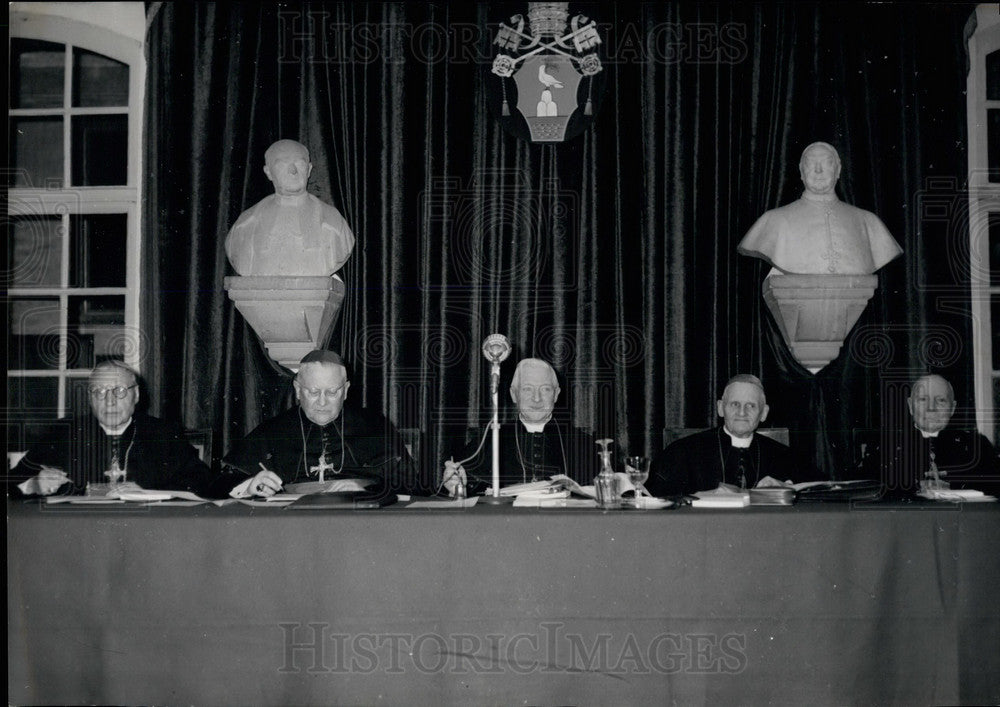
(533, 447)
(114, 444)
(931, 453)
(733, 454)
(321, 439)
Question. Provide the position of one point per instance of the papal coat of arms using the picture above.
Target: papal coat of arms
(541, 70)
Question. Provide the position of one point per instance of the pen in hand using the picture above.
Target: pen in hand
(260, 486)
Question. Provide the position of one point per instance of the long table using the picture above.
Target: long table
(812, 604)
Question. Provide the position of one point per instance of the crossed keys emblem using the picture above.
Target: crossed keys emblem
(583, 37)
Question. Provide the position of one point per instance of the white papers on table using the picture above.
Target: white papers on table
(446, 503)
(133, 494)
(546, 494)
(84, 500)
(146, 495)
(622, 483)
(328, 486)
(721, 498)
(553, 501)
(518, 489)
(963, 495)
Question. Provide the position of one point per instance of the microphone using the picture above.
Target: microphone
(496, 348)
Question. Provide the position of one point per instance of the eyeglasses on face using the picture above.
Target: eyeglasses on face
(119, 391)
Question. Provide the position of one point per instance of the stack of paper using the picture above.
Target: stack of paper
(720, 498)
(965, 495)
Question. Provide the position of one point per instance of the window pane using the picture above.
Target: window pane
(993, 76)
(97, 250)
(100, 144)
(98, 80)
(33, 395)
(994, 240)
(36, 73)
(37, 152)
(34, 333)
(995, 320)
(96, 330)
(33, 251)
(996, 408)
(77, 395)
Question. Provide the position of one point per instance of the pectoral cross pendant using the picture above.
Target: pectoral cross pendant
(322, 467)
(115, 474)
(832, 256)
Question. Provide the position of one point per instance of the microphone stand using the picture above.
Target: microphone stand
(495, 397)
(494, 497)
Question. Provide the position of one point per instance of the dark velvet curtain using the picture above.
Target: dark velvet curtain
(612, 255)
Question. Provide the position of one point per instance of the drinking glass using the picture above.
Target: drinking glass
(637, 469)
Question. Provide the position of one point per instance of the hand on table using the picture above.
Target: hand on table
(265, 483)
(453, 477)
(46, 482)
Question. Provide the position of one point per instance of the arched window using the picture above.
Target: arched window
(983, 100)
(73, 196)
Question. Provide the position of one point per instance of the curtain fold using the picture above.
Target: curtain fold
(612, 255)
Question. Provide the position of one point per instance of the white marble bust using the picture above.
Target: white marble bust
(818, 234)
(291, 232)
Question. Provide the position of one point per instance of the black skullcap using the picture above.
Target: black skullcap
(323, 356)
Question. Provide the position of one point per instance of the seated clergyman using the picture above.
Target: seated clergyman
(533, 447)
(733, 454)
(932, 453)
(114, 444)
(322, 439)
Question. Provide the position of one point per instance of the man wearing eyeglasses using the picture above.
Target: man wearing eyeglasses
(323, 441)
(115, 444)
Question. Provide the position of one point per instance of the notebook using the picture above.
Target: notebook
(345, 501)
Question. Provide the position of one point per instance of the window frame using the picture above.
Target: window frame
(66, 201)
(984, 198)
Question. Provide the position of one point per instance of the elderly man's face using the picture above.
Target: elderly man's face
(321, 389)
(742, 408)
(105, 385)
(535, 394)
(819, 169)
(931, 404)
(288, 168)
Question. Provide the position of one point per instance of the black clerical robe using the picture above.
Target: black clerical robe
(358, 444)
(531, 456)
(902, 458)
(700, 462)
(153, 453)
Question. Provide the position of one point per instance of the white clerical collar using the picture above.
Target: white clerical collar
(290, 199)
(738, 442)
(832, 196)
(116, 431)
(534, 426)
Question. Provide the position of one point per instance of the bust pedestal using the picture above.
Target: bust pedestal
(291, 315)
(815, 312)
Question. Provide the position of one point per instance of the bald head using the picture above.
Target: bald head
(285, 148)
(534, 389)
(931, 403)
(819, 168)
(286, 164)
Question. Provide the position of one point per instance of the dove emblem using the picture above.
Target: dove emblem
(547, 79)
